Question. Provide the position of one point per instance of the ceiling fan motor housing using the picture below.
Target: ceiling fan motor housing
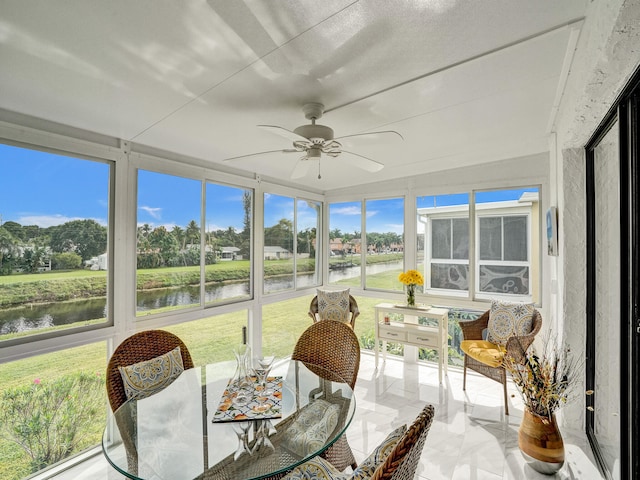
(315, 133)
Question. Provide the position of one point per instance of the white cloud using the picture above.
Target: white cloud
(346, 211)
(154, 212)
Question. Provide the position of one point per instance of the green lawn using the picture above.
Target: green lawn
(209, 340)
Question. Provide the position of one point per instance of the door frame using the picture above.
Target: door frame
(626, 112)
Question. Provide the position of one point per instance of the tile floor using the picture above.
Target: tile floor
(470, 438)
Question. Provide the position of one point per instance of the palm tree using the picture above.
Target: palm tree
(192, 233)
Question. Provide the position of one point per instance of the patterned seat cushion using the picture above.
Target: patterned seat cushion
(507, 319)
(310, 430)
(143, 379)
(333, 305)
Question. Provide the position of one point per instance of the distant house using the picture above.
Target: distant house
(229, 253)
(276, 253)
(97, 263)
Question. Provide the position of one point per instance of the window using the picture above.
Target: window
(278, 243)
(228, 243)
(54, 231)
(67, 387)
(345, 243)
(385, 243)
(307, 227)
(505, 240)
(168, 242)
(443, 242)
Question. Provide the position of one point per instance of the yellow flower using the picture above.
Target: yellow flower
(411, 277)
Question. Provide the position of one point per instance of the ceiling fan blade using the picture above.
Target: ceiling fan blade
(362, 162)
(287, 150)
(373, 136)
(283, 132)
(301, 168)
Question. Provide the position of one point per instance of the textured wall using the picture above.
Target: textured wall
(573, 244)
(607, 54)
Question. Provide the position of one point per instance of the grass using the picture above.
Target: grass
(209, 340)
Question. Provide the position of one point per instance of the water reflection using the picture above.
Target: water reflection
(39, 316)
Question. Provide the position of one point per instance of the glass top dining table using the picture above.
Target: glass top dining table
(173, 434)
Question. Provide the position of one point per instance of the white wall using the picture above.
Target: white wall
(607, 54)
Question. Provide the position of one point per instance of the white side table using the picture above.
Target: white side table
(410, 333)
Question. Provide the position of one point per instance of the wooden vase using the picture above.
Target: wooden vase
(541, 443)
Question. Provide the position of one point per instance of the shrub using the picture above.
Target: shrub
(50, 420)
(66, 261)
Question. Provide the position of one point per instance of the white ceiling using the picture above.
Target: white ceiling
(464, 82)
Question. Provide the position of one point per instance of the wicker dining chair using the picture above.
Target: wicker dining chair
(140, 347)
(353, 309)
(400, 463)
(515, 347)
(333, 346)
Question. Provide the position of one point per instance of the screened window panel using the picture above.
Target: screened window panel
(460, 228)
(490, 238)
(450, 276)
(504, 279)
(515, 238)
(441, 238)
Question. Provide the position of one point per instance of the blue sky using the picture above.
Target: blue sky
(44, 189)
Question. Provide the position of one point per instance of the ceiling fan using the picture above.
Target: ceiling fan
(314, 140)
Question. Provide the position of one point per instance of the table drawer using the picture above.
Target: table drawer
(397, 335)
(428, 339)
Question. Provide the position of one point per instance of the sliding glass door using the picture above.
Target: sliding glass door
(613, 291)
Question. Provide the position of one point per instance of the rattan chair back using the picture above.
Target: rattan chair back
(353, 308)
(402, 462)
(333, 346)
(139, 347)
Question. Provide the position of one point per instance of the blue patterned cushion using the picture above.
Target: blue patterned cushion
(379, 455)
(146, 378)
(507, 319)
(310, 430)
(333, 305)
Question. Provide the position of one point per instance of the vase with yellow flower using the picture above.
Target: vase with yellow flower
(410, 279)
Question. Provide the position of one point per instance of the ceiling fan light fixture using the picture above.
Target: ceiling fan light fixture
(314, 152)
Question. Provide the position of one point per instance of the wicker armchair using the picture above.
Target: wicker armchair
(400, 464)
(139, 347)
(333, 346)
(516, 347)
(353, 308)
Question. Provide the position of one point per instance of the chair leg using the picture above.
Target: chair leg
(506, 400)
(464, 375)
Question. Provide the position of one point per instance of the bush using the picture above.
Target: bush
(66, 261)
(50, 421)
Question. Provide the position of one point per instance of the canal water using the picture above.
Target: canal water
(39, 316)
